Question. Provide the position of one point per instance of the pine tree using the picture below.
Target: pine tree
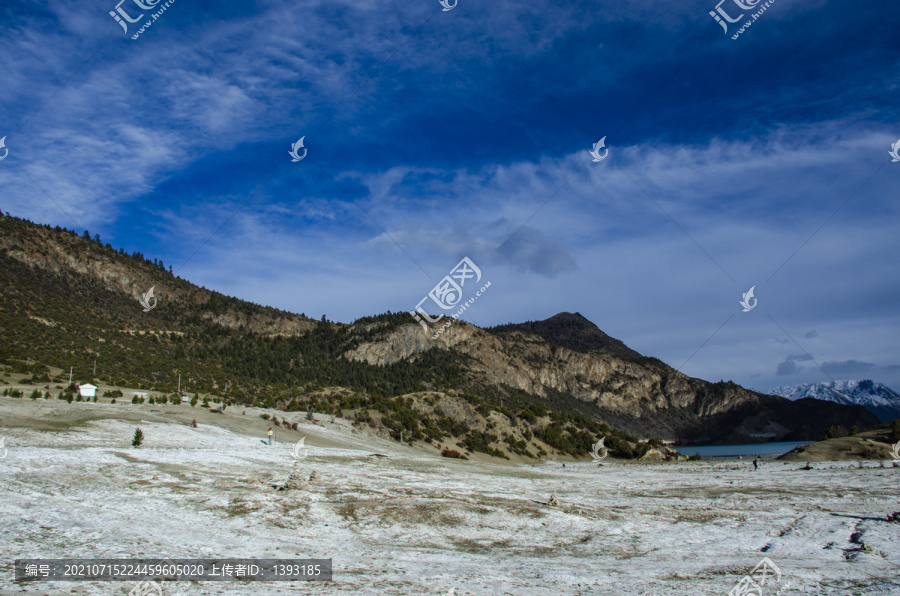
(138, 438)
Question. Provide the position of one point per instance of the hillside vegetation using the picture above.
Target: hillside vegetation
(68, 300)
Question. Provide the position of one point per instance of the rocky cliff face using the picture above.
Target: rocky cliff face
(534, 365)
(638, 394)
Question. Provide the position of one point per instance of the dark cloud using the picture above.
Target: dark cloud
(789, 366)
(529, 250)
(848, 367)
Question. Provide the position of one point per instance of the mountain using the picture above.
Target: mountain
(574, 331)
(68, 300)
(875, 397)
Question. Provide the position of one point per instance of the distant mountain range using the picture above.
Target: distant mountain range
(879, 399)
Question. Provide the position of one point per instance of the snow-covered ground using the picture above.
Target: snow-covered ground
(414, 523)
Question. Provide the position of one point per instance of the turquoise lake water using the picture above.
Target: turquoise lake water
(733, 451)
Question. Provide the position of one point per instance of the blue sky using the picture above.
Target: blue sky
(433, 135)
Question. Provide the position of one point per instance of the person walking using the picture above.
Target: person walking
(755, 464)
(270, 435)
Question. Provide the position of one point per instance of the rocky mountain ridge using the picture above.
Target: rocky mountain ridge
(68, 300)
(642, 395)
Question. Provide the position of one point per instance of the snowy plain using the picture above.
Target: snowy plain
(412, 522)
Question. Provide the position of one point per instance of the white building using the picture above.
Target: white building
(87, 390)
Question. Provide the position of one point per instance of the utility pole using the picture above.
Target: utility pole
(71, 368)
(95, 367)
(179, 384)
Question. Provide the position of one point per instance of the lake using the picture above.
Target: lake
(733, 451)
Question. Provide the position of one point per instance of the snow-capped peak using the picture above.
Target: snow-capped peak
(879, 399)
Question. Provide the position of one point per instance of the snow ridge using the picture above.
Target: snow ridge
(879, 399)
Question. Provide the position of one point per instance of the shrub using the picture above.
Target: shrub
(528, 416)
(835, 432)
(640, 450)
(363, 416)
(40, 378)
(481, 441)
(35, 394)
(113, 400)
(264, 416)
(175, 399)
(194, 423)
(447, 452)
(194, 401)
(113, 393)
(138, 438)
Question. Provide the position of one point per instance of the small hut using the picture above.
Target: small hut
(87, 390)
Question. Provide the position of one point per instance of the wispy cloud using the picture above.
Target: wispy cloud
(435, 135)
